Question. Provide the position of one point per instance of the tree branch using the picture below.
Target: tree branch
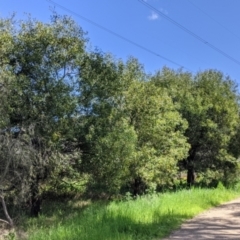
(9, 220)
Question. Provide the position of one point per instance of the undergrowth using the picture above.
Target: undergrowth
(148, 217)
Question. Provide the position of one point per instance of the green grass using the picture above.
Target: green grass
(148, 217)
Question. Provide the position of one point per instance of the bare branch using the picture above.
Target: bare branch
(9, 220)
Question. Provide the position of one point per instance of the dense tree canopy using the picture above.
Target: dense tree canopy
(38, 65)
(209, 102)
(72, 116)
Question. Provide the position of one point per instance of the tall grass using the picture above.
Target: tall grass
(148, 217)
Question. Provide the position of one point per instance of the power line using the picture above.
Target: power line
(190, 32)
(213, 19)
(116, 34)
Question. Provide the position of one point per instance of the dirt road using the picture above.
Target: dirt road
(222, 222)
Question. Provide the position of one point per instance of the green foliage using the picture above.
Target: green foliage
(11, 236)
(160, 128)
(43, 61)
(209, 103)
(108, 141)
(132, 129)
(37, 67)
(75, 121)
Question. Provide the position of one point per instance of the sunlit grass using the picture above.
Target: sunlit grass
(148, 217)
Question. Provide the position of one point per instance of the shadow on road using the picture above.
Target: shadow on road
(222, 222)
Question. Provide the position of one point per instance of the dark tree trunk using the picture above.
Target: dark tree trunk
(190, 176)
(138, 186)
(35, 206)
(190, 165)
(35, 200)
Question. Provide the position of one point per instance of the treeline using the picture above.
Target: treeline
(76, 119)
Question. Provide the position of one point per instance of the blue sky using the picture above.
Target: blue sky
(215, 21)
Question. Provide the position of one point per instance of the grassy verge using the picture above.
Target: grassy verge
(148, 217)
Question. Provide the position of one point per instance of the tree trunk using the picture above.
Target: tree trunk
(138, 186)
(35, 206)
(190, 165)
(190, 176)
(35, 199)
(9, 220)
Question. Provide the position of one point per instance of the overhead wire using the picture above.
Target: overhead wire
(227, 29)
(189, 32)
(116, 34)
